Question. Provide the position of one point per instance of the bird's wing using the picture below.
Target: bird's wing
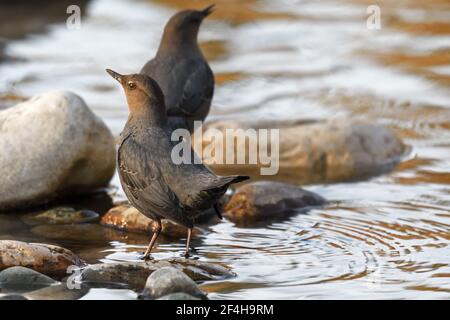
(146, 186)
(196, 186)
(196, 91)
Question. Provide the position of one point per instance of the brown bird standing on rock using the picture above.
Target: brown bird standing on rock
(153, 183)
(181, 70)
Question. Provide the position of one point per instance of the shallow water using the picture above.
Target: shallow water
(384, 238)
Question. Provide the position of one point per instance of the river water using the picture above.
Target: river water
(384, 238)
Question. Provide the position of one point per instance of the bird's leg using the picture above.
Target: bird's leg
(188, 242)
(156, 232)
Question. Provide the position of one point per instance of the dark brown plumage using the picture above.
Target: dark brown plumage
(153, 183)
(181, 70)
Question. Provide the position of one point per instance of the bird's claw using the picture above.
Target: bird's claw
(145, 257)
(191, 254)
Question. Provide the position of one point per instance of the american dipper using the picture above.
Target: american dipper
(181, 70)
(153, 183)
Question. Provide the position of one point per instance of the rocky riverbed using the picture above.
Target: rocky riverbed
(45, 271)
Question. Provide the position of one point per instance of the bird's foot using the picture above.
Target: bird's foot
(144, 257)
(188, 254)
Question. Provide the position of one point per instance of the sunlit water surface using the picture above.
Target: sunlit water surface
(383, 238)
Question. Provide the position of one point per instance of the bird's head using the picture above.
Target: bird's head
(184, 25)
(142, 92)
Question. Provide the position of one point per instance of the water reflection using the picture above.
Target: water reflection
(384, 238)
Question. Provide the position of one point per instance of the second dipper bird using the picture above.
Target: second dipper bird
(181, 70)
(153, 183)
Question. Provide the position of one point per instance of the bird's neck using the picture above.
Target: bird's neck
(175, 43)
(147, 115)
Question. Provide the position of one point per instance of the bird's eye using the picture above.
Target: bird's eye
(131, 85)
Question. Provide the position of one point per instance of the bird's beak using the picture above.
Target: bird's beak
(208, 10)
(115, 75)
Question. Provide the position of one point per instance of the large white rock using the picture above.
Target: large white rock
(52, 145)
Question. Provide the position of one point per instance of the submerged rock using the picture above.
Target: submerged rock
(21, 279)
(58, 292)
(60, 215)
(12, 297)
(267, 200)
(87, 233)
(50, 146)
(134, 274)
(313, 152)
(169, 280)
(178, 296)
(50, 260)
(127, 218)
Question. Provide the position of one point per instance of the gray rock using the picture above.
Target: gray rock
(21, 279)
(50, 146)
(134, 274)
(60, 215)
(178, 296)
(169, 280)
(87, 233)
(264, 201)
(58, 292)
(13, 297)
(48, 259)
(319, 152)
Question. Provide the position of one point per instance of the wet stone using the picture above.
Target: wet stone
(21, 279)
(50, 260)
(60, 215)
(72, 150)
(315, 152)
(267, 200)
(87, 233)
(58, 292)
(169, 280)
(178, 296)
(13, 297)
(126, 218)
(134, 274)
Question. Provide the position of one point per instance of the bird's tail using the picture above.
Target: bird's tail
(238, 179)
(227, 180)
(220, 186)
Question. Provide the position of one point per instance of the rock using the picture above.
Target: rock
(169, 280)
(60, 215)
(13, 297)
(20, 19)
(87, 233)
(134, 274)
(314, 152)
(50, 146)
(178, 296)
(20, 279)
(267, 200)
(58, 292)
(127, 218)
(50, 260)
